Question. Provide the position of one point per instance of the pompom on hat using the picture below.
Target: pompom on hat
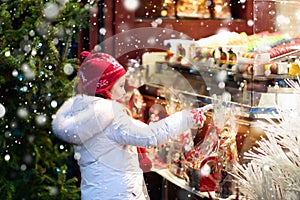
(98, 73)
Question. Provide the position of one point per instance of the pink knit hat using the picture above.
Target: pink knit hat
(98, 73)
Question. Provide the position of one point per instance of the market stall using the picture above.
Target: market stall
(241, 56)
(246, 84)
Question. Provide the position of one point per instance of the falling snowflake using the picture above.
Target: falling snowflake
(14, 73)
(53, 191)
(31, 33)
(23, 167)
(28, 72)
(40, 119)
(68, 69)
(22, 113)
(131, 5)
(7, 157)
(102, 31)
(221, 76)
(7, 53)
(51, 11)
(53, 104)
(250, 22)
(77, 156)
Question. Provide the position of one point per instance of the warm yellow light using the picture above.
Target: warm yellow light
(164, 13)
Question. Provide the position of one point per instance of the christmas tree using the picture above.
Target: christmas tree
(38, 66)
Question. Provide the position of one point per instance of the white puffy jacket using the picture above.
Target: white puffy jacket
(104, 139)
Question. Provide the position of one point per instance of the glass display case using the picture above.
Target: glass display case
(248, 69)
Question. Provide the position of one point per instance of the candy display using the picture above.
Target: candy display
(232, 57)
(202, 168)
(203, 54)
(179, 148)
(256, 54)
(205, 177)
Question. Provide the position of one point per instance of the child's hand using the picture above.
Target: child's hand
(199, 116)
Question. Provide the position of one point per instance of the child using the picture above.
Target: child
(105, 137)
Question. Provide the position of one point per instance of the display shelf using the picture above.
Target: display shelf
(245, 97)
(248, 115)
(276, 77)
(198, 69)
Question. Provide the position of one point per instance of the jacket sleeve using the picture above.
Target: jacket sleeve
(127, 130)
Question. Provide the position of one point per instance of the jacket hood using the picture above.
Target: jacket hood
(82, 117)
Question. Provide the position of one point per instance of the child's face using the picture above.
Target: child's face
(118, 90)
